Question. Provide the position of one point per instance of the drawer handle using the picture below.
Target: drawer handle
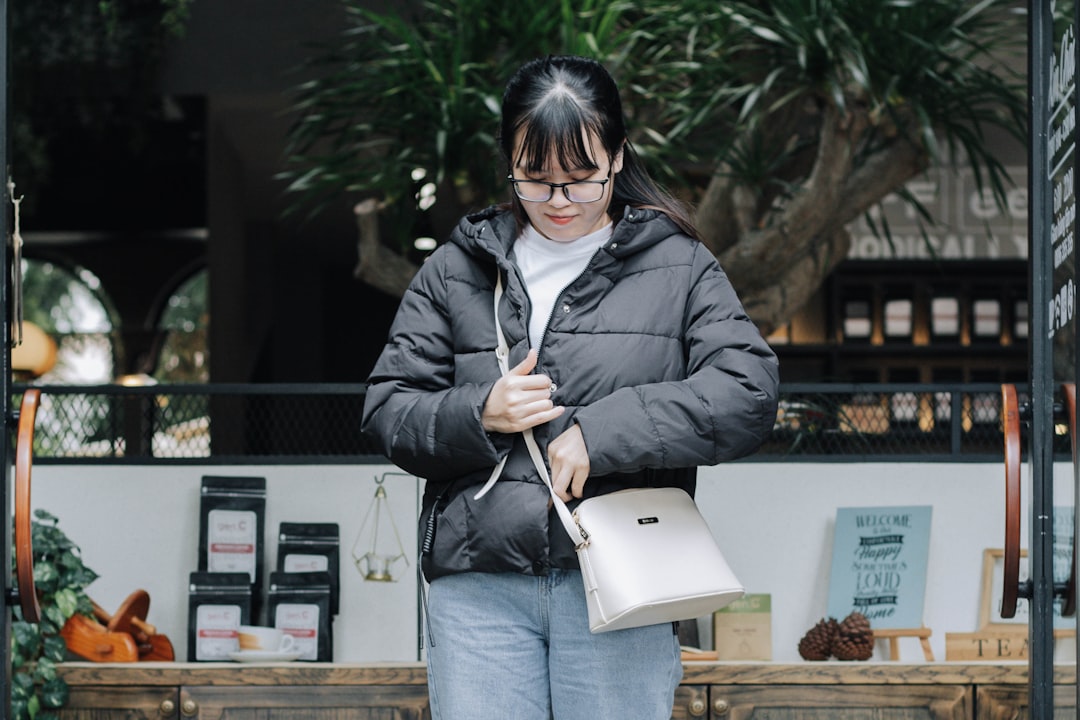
(697, 707)
(189, 708)
(721, 706)
(167, 708)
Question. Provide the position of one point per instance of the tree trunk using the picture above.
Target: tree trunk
(379, 266)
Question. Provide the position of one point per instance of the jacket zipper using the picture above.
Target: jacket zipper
(558, 299)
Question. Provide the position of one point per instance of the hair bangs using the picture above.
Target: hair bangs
(556, 135)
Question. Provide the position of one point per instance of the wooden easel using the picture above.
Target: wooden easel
(894, 635)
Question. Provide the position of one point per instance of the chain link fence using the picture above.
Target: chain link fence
(199, 424)
(320, 423)
(896, 421)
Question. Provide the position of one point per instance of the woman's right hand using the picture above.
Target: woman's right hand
(520, 400)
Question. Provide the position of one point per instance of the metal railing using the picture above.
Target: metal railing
(320, 423)
(201, 424)
(902, 422)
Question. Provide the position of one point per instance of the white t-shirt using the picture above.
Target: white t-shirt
(548, 267)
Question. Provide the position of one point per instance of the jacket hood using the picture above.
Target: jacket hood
(492, 232)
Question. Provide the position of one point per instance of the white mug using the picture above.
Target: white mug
(265, 639)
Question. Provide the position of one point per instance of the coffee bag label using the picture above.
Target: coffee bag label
(301, 620)
(232, 537)
(216, 631)
(297, 562)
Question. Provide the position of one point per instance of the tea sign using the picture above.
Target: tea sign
(879, 564)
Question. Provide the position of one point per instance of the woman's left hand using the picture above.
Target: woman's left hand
(569, 459)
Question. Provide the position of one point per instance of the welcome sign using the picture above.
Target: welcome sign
(879, 564)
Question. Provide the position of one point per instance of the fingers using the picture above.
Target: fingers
(569, 459)
(578, 485)
(569, 481)
(520, 399)
(520, 376)
(525, 407)
(527, 365)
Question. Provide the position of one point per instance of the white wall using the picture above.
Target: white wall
(138, 528)
(775, 524)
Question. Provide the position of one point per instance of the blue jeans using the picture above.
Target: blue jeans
(518, 647)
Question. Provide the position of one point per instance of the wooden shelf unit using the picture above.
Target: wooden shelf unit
(713, 690)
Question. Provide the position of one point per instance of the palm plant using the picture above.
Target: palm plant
(782, 121)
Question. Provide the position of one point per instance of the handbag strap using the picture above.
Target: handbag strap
(502, 353)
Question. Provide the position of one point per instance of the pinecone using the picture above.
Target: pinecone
(854, 638)
(817, 643)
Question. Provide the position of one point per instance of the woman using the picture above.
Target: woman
(630, 357)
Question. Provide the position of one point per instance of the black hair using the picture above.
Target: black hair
(552, 99)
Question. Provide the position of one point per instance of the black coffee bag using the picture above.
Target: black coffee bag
(299, 605)
(218, 604)
(232, 516)
(311, 547)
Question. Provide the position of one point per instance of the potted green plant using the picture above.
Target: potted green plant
(61, 578)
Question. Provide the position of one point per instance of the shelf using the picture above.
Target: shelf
(726, 673)
(229, 673)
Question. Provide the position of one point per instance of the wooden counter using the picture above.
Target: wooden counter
(231, 673)
(694, 673)
(712, 690)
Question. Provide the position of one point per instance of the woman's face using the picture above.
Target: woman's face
(559, 219)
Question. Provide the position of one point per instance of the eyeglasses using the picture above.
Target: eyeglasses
(579, 191)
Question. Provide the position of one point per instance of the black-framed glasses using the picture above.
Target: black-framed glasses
(578, 191)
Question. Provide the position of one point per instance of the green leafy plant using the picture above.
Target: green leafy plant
(61, 578)
(782, 120)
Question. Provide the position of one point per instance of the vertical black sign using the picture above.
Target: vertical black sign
(1060, 105)
(1052, 82)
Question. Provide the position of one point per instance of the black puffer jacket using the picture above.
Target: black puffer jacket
(649, 349)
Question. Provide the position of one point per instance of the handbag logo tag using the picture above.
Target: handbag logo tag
(648, 520)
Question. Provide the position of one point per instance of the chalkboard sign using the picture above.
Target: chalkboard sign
(1060, 186)
(879, 565)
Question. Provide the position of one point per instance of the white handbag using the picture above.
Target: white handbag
(647, 555)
